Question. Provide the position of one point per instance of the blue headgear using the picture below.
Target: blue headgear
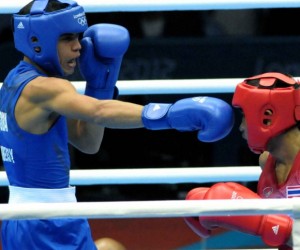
(42, 30)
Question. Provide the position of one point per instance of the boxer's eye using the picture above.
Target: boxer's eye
(69, 37)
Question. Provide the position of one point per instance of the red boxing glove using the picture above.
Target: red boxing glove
(193, 222)
(275, 230)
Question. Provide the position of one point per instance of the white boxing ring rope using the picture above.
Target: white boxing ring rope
(149, 209)
(163, 5)
(158, 175)
(174, 86)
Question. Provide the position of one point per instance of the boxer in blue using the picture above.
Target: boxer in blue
(41, 112)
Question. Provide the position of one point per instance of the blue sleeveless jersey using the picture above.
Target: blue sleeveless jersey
(36, 161)
(39, 161)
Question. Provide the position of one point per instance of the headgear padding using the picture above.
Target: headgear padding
(36, 34)
(271, 105)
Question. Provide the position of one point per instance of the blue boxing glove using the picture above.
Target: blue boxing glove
(103, 48)
(211, 116)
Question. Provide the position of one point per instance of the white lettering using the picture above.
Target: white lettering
(199, 99)
(79, 15)
(7, 154)
(3, 122)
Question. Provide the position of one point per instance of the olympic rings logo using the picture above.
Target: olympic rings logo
(82, 21)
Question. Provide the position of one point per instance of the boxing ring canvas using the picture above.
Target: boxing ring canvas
(170, 233)
(167, 234)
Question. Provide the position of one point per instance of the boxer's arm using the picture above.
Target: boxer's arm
(211, 117)
(103, 48)
(85, 136)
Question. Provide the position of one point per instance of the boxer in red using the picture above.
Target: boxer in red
(270, 104)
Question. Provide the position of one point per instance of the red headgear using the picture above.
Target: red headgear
(271, 105)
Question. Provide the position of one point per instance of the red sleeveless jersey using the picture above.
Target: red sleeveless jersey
(268, 186)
